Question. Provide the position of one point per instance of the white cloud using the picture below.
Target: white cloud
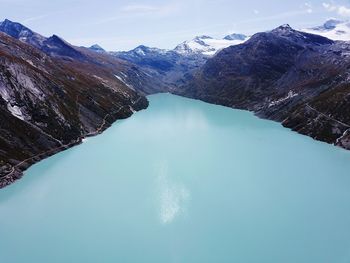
(344, 11)
(256, 12)
(308, 7)
(329, 7)
(281, 16)
(34, 18)
(142, 9)
(139, 8)
(132, 11)
(339, 9)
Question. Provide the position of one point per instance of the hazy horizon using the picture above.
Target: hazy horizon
(123, 25)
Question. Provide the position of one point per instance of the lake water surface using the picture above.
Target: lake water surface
(183, 181)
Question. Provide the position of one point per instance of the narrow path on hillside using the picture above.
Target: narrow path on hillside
(328, 117)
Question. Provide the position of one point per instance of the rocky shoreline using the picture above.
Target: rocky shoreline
(10, 174)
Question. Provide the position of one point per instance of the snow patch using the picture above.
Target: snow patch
(16, 111)
(291, 94)
(123, 80)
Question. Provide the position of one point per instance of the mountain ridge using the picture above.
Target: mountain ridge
(51, 99)
(282, 75)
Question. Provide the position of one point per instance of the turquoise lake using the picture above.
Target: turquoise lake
(183, 181)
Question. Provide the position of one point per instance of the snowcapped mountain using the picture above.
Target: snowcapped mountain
(142, 51)
(333, 29)
(209, 46)
(167, 65)
(172, 66)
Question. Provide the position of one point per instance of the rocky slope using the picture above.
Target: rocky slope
(52, 95)
(299, 79)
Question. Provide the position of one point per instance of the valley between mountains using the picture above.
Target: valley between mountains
(54, 94)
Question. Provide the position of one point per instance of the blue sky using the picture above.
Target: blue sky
(122, 25)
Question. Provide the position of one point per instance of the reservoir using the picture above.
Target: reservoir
(183, 181)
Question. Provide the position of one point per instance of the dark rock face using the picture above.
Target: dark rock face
(55, 46)
(296, 78)
(18, 31)
(133, 76)
(52, 98)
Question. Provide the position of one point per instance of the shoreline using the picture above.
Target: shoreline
(17, 170)
(337, 143)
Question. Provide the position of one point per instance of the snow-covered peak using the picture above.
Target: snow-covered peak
(143, 50)
(207, 45)
(333, 29)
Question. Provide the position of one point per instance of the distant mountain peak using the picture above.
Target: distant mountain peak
(284, 28)
(142, 50)
(58, 40)
(334, 29)
(21, 32)
(203, 37)
(143, 47)
(97, 48)
(7, 21)
(299, 37)
(207, 45)
(14, 29)
(235, 36)
(332, 23)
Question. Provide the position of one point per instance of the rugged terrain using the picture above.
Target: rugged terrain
(167, 66)
(170, 66)
(52, 95)
(296, 78)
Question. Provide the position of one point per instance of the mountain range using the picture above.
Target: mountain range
(54, 94)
